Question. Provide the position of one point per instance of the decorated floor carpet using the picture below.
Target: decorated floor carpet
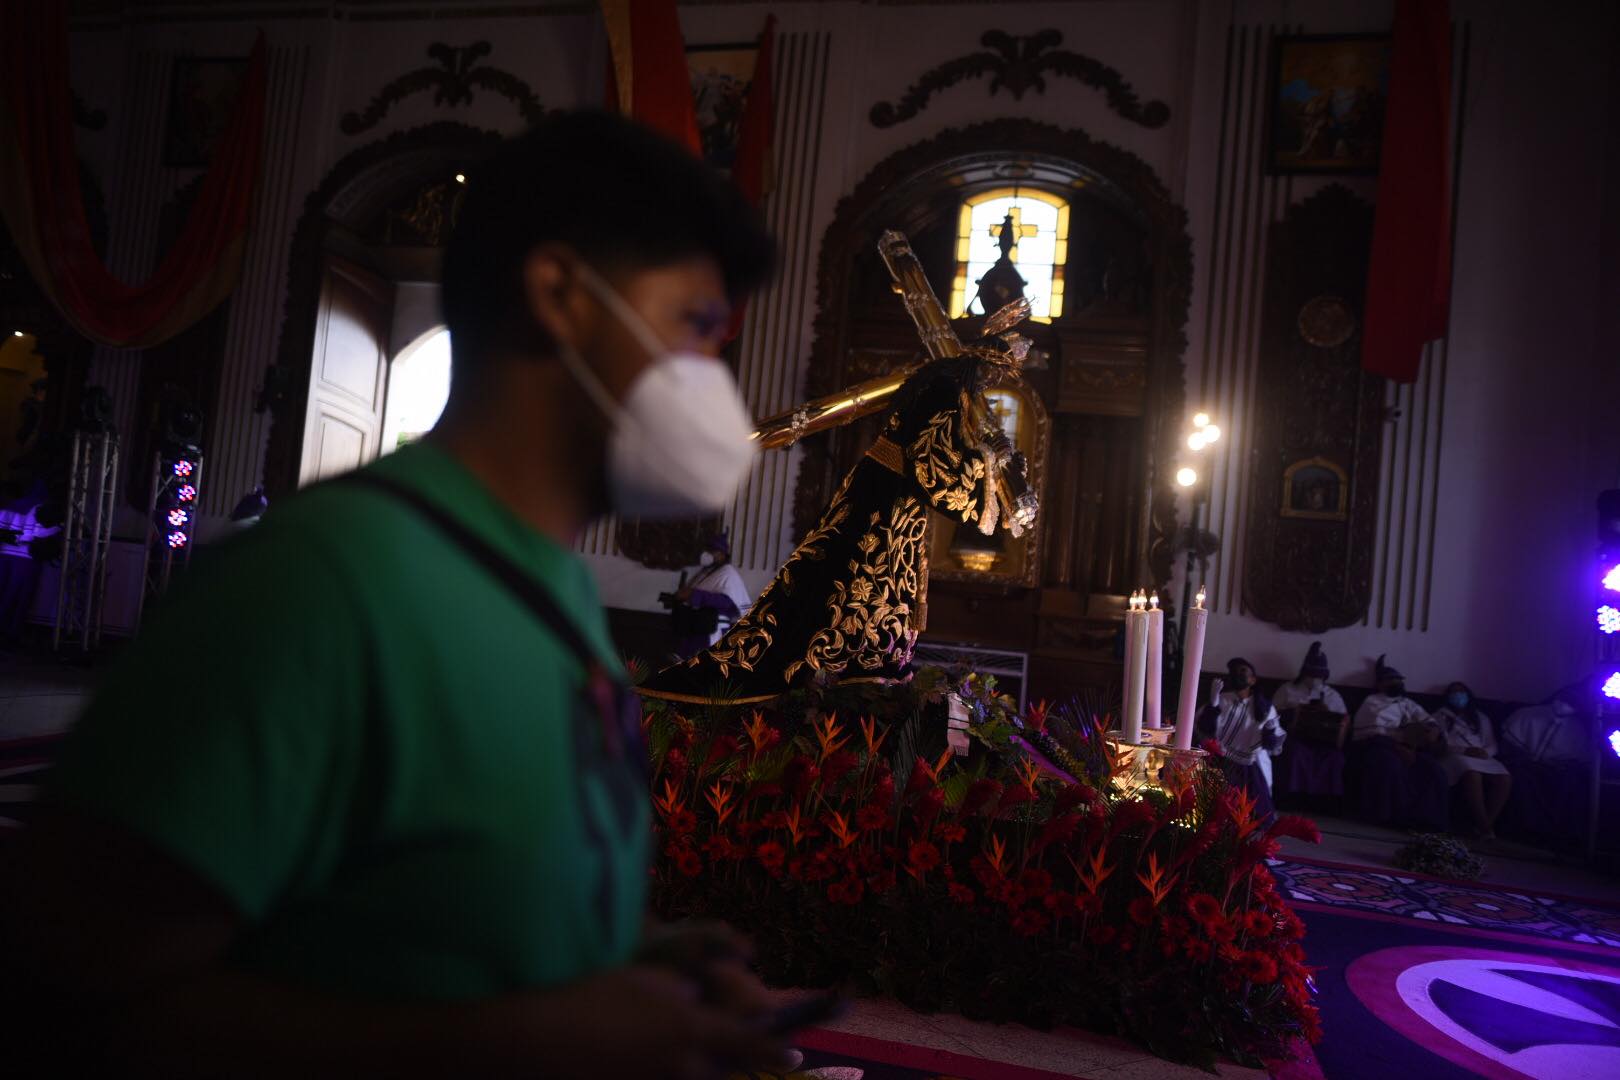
(1420, 977)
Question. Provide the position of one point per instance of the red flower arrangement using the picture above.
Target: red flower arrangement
(1060, 902)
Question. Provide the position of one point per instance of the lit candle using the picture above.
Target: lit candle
(1153, 703)
(1192, 657)
(1136, 641)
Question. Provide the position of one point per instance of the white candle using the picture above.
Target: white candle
(1192, 659)
(1153, 700)
(1136, 641)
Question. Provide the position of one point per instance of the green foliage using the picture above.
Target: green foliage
(1439, 855)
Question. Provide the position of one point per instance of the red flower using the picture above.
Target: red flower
(1070, 796)
(675, 765)
(717, 848)
(952, 833)
(1141, 910)
(1257, 923)
(688, 863)
(1035, 719)
(682, 822)
(1177, 928)
(980, 793)
(1013, 894)
(1060, 904)
(1300, 828)
(1204, 908)
(871, 817)
(1197, 949)
(771, 855)
(799, 776)
(929, 806)
(1212, 747)
(883, 790)
(923, 856)
(837, 766)
(1089, 904)
(962, 894)
(847, 891)
(1257, 967)
(1131, 813)
(723, 747)
(775, 819)
(1221, 931)
(922, 778)
(1014, 795)
(1036, 882)
(1029, 923)
(1057, 831)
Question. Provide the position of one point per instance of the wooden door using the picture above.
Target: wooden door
(348, 377)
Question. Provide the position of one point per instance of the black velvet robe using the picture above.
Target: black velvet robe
(849, 601)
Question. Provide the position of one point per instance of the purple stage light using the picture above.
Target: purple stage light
(178, 517)
(1608, 619)
(1611, 578)
(1614, 741)
(1611, 687)
(178, 540)
(185, 493)
(183, 468)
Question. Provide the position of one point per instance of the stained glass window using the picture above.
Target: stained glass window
(1040, 223)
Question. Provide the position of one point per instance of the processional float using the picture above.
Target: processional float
(850, 600)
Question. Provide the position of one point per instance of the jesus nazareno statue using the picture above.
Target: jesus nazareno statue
(851, 598)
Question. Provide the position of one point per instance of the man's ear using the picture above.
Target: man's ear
(556, 300)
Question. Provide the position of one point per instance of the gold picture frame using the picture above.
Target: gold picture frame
(1316, 489)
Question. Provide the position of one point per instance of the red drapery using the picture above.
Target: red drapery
(44, 210)
(1409, 275)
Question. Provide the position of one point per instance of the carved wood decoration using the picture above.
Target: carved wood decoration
(452, 83)
(1020, 63)
(1319, 419)
(355, 197)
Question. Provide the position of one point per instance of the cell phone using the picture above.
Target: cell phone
(807, 1013)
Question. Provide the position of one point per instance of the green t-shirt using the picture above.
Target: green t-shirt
(384, 759)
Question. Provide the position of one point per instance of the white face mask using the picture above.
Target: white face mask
(706, 559)
(682, 440)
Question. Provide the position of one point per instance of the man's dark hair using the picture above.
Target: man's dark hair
(620, 195)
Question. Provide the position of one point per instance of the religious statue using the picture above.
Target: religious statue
(852, 597)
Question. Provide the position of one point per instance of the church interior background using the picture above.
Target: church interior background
(1136, 169)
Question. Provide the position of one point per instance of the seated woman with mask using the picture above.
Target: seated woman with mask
(1398, 779)
(1243, 721)
(1314, 716)
(1470, 759)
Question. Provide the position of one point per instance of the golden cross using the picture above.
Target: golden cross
(1014, 218)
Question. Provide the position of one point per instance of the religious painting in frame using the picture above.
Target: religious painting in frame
(721, 75)
(1327, 106)
(1315, 488)
(202, 93)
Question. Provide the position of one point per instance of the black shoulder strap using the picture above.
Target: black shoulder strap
(520, 584)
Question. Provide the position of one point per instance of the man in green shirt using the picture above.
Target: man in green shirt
(367, 796)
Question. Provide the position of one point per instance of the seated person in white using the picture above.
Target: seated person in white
(1394, 746)
(1471, 759)
(1310, 691)
(1246, 726)
(716, 587)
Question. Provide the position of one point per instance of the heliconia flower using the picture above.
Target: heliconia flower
(1029, 774)
(829, 733)
(670, 801)
(756, 729)
(1035, 718)
(719, 798)
(1014, 795)
(998, 855)
(794, 826)
(840, 829)
(1156, 881)
(1095, 872)
(874, 741)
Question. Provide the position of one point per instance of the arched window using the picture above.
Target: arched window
(418, 387)
(1040, 247)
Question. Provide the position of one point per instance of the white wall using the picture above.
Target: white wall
(1503, 500)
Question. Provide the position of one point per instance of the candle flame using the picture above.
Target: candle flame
(1153, 602)
(1200, 596)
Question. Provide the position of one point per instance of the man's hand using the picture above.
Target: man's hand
(636, 1021)
(1215, 688)
(712, 955)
